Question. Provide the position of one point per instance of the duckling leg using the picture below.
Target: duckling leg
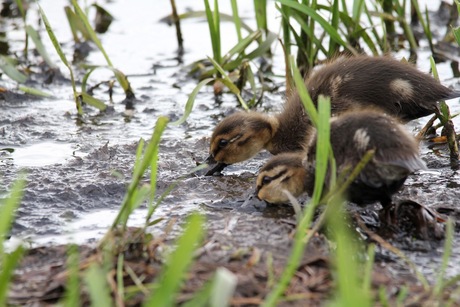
(387, 214)
(426, 221)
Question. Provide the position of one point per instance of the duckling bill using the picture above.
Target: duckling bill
(352, 135)
(396, 88)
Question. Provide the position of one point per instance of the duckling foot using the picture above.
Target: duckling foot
(419, 220)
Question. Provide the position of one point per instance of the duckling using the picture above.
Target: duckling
(352, 135)
(396, 88)
(242, 135)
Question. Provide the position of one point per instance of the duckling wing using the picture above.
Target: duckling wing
(385, 173)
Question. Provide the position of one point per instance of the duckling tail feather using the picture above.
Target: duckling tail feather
(452, 95)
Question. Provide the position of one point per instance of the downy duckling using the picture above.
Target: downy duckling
(352, 135)
(396, 88)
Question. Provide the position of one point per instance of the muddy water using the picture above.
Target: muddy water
(77, 173)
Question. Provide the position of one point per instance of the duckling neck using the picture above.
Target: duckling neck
(294, 128)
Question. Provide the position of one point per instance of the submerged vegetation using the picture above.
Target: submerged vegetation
(130, 266)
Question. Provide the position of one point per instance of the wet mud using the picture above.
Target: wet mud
(91, 167)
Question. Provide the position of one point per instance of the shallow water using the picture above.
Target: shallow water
(78, 173)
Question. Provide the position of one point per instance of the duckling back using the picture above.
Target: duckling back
(396, 154)
(397, 88)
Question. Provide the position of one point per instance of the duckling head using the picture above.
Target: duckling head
(282, 172)
(241, 136)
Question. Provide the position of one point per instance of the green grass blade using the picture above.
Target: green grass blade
(141, 166)
(92, 101)
(300, 241)
(39, 45)
(332, 32)
(62, 56)
(34, 91)
(260, 7)
(242, 45)
(263, 47)
(358, 6)
(349, 292)
(224, 285)
(222, 16)
(96, 281)
(11, 71)
(228, 82)
(177, 264)
(90, 30)
(53, 38)
(8, 263)
(236, 19)
(448, 243)
(304, 95)
(322, 146)
(76, 25)
(333, 46)
(8, 208)
(215, 35)
(191, 101)
(367, 280)
(216, 20)
(72, 292)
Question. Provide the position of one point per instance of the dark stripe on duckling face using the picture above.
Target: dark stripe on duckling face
(224, 142)
(268, 179)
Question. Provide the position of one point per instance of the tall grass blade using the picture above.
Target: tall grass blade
(300, 239)
(236, 19)
(11, 71)
(62, 56)
(242, 45)
(333, 45)
(304, 95)
(177, 264)
(323, 147)
(8, 261)
(350, 291)
(121, 78)
(34, 91)
(448, 243)
(264, 47)
(96, 281)
(223, 287)
(367, 279)
(76, 25)
(72, 293)
(85, 97)
(213, 30)
(8, 208)
(39, 45)
(90, 30)
(332, 32)
(260, 7)
(191, 101)
(229, 83)
(133, 195)
(222, 16)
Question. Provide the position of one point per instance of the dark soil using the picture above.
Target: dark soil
(93, 166)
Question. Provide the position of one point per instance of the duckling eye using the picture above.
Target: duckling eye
(223, 143)
(266, 180)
